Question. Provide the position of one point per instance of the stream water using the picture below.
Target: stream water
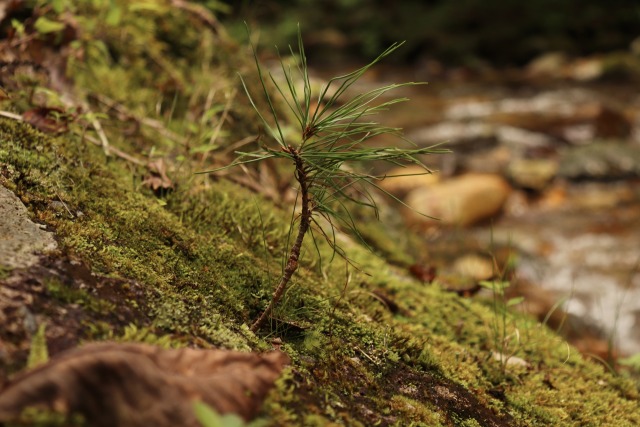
(571, 154)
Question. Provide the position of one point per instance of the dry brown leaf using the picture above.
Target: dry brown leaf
(424, 273)
(7, 7)
(157, 179)
(48, 119)
(133, 385)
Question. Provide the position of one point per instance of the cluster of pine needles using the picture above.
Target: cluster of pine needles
(330, 152)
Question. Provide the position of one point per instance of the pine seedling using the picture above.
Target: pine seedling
(330, 147)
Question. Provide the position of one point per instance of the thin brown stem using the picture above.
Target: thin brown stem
(294, 253)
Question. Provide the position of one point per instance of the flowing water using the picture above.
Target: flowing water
(573, 214)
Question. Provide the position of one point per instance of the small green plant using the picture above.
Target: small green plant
(333, 130)
(208, 417)
(632, 365)
(38, 353)
(506, 343)
(503, 339)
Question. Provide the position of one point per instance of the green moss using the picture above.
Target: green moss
(415, 413)
(5, 272)
(195, 267)
(470, 422)
(122, 234)
(38, 353)
(43, 418)
(204, 279)
(97, 330)
(132, 333)
(68, 295)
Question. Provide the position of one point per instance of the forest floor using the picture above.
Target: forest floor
(107, 114)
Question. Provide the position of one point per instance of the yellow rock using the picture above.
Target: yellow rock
(401, 181)
(463, 200)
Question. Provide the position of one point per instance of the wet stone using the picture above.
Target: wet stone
(20, 238)
(474, 266)
(458, 136)
(399, 181)
(463, 200)
(602, 161)
(523, 138)
(532, 174)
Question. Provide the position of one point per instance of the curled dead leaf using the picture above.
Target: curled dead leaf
(135, 385)
(8, 7)
(48, 119)
(157, 178)
(423, 273)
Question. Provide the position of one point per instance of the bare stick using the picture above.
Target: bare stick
(10, 115)
(103, 137)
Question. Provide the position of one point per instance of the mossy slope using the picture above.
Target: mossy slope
(370, 346)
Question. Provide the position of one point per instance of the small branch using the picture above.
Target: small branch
(10, 115)
(294, 253)
(157, 125)
(203, 14)
(103, 142)
(103, 137)
(113, 150)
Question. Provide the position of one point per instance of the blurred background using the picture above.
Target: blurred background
(465, 32)
(539, 103)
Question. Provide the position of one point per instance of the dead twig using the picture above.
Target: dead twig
(10, 115)
(156, 125)
(116, 152)
(203, 14)
(104, 142)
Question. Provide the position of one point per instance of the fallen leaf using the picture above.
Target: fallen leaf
(423, 273)
(8, 7)
(157, 179)
(131, 385)
(47, 119)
